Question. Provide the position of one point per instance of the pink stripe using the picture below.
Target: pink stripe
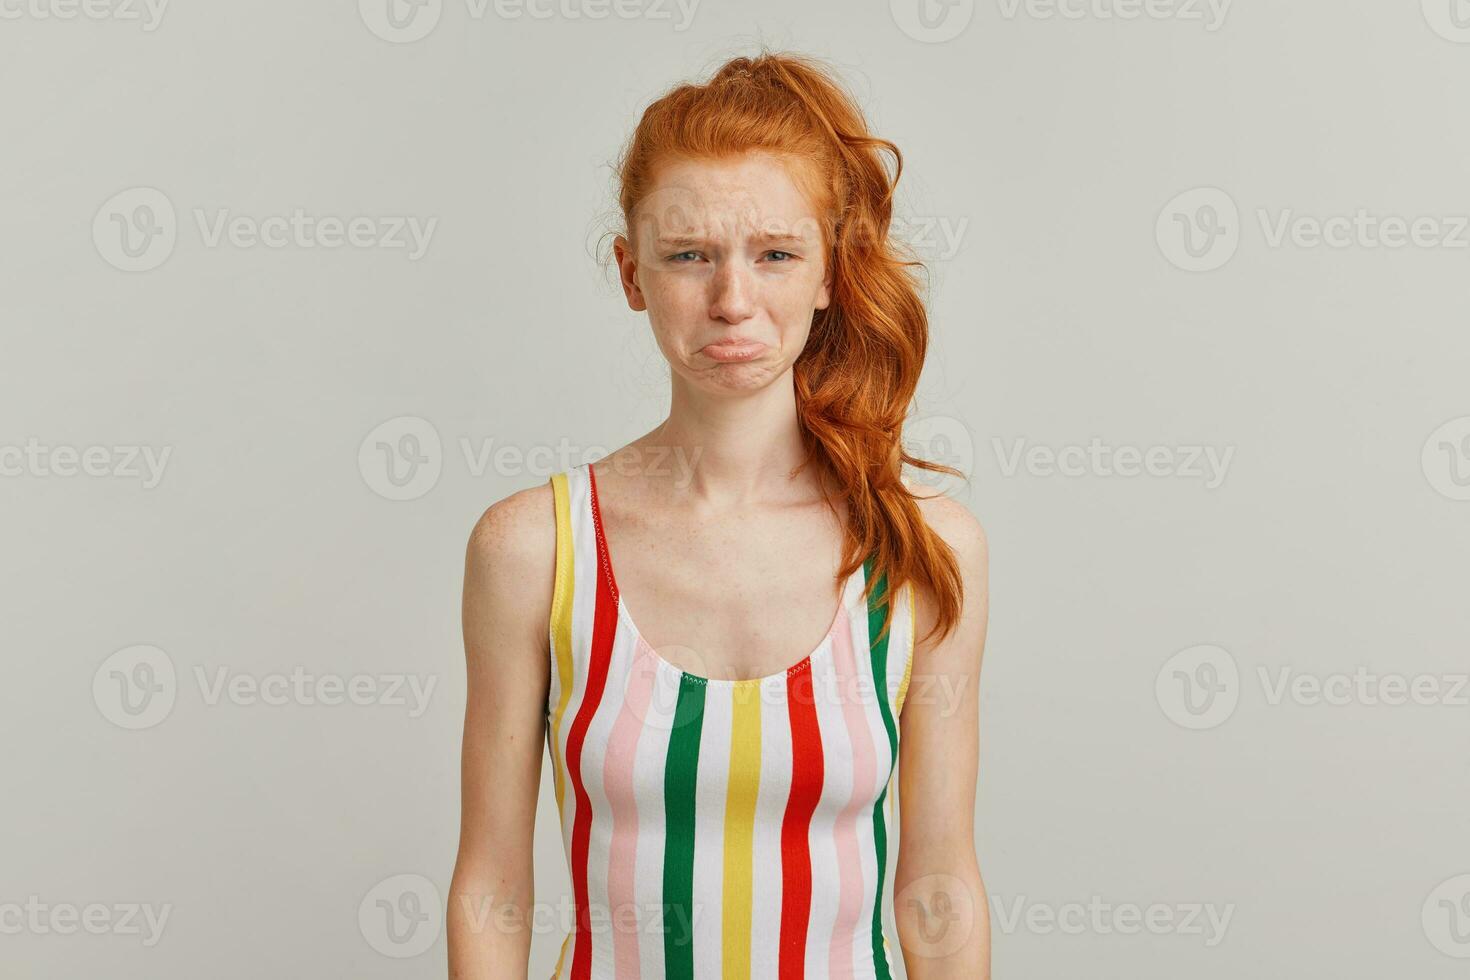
(851, 887)
(617, 774)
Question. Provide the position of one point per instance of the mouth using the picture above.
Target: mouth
(733, 349)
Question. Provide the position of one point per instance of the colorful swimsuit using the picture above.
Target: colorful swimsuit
(716, 828)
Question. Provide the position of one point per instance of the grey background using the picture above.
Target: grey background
(1051, 144)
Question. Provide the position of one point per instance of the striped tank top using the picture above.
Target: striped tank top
(718, 828)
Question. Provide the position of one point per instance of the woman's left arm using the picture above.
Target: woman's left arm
(940, 906)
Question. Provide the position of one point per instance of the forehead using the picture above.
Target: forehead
(751, 194)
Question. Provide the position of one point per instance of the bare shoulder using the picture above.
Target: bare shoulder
(953, 522)
(516, 528)
(963, 532)
(510, 563)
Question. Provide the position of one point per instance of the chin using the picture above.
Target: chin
(736, 378)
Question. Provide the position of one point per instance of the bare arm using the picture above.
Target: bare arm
(509, 566)
(940, 907)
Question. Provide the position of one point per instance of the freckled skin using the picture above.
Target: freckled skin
(732, 282)
(728, 559)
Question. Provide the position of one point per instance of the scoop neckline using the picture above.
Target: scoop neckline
(845, 606)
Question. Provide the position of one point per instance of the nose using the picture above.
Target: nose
(732, 293)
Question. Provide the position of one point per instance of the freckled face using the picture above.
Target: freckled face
(727, 259)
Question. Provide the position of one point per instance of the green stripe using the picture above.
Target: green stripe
(878, 649)
(681, 773)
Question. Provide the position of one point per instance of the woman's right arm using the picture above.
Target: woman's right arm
(509, 567)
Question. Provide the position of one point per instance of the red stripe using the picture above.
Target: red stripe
(604, 627)
(796, 858)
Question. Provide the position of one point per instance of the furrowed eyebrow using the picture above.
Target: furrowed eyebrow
(767, 238)
(776, 238)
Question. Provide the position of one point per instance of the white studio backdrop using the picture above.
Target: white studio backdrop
(292, 292)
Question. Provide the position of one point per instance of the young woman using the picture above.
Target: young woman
(723, 742)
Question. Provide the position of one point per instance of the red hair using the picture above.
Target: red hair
(856, 378)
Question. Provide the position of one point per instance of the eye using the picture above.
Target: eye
(676, 257)
(778, 252)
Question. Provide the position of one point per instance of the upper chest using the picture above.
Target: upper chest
(743, 595)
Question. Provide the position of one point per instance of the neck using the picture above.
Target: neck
(731, 450)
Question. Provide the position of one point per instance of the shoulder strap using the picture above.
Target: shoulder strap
(559, 692)
(910, 625)
(562, 589)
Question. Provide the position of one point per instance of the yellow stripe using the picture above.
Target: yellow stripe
(563, 955)
(744, 772)
(561, 625)
(908, 667)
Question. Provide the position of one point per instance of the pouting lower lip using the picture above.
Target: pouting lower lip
(726, 351)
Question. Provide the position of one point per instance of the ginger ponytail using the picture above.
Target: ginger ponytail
(857, 376)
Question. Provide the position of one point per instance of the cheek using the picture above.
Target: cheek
(795, 332)
(670, 311)
(793, 300)
(672, 294)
